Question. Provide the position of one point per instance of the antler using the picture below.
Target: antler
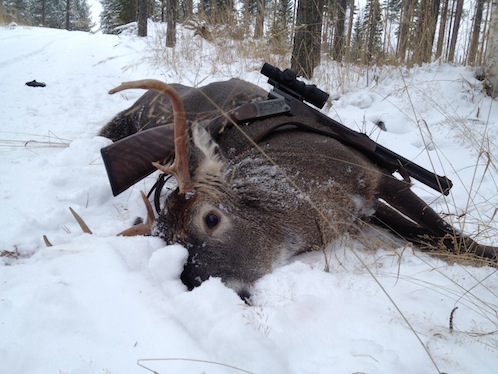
(141, 229)
(180, 167)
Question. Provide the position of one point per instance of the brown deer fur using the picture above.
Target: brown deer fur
(154, 108)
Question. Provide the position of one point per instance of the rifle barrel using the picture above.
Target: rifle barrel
(439, 183)
(378, 153)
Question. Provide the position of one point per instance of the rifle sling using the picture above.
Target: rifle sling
(390, 166)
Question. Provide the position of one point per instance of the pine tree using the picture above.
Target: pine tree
(260, 19)
(281, 24)
(116, 13)
(49, 13)
(129, 11)
(476, 30)
(491, 63)
(80, 16)
(454, 32)
(17, 11)
(427, 16)
(307, 38)
(338, 43)
(143, 10)
(373, 31)
(391, 10)
(352, 12)
(442, 28)
(171, 7)
(217, 11)
(110, 16)
(405, 28)
(358, 40)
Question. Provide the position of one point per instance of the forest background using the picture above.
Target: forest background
(371, 32)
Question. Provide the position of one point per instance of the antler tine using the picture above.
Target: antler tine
(180, 167)
(144, 228)
(47, 242)
(78, 219)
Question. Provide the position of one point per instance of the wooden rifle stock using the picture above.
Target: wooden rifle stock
(129, 160)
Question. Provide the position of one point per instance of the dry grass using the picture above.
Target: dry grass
(226, 56)
(13, 140)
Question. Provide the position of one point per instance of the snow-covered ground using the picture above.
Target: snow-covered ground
(105, 304)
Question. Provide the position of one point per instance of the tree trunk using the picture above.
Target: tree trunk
(420, 32)
(171, 9)
(307, 37)
(476, 30)
(371, 35)
(485, 32)
(426, 29)
(68, 11)
(260, 20)
(329, 13)
(247, 16)
(454, 33)
(142, 17)
(442, 29)
(43, 13)
(190, 8)
(434, 16)
(338, 44)
(404, 28)
(491, 63)
(350, 31)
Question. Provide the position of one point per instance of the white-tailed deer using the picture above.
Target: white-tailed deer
(248, 199)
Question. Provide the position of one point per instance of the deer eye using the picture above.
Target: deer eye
(211, 220)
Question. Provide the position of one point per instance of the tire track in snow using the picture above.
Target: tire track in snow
(17, 59)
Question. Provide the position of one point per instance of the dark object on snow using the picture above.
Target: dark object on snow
(34, 83)
(480, 73)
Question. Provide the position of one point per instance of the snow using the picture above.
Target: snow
(105, 304)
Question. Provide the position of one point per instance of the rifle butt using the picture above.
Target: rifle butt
(129, 160)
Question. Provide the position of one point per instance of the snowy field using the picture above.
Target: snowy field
(105, 304)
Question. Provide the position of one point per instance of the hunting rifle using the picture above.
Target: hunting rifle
(129, 160)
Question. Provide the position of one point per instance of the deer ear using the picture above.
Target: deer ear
(206, 157)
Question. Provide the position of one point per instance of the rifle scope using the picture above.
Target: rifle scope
(287, 82)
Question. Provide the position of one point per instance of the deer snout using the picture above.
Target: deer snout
(195, 273)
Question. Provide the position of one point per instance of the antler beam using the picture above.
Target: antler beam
(180, 166)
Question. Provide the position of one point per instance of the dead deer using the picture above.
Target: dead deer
(154, 108)
(242, 208)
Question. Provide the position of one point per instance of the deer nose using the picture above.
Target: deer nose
(190, 277)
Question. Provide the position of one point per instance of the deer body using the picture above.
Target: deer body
(244, 207)
(154, 108)
(250, 211)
